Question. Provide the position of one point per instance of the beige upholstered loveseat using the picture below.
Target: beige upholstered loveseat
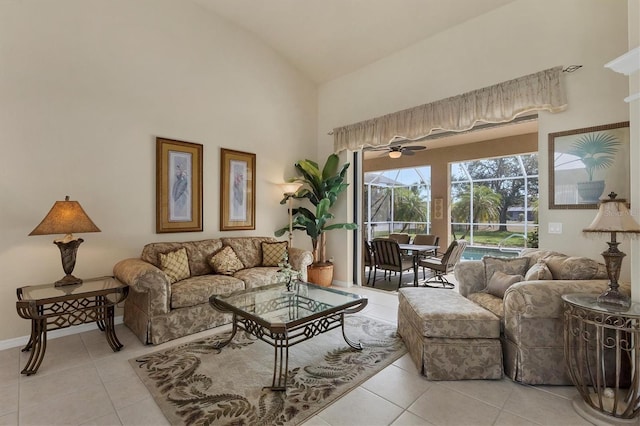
(168, 300)
(531, 310)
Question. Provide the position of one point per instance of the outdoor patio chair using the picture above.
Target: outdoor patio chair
(443, 265)
(427, 240)
(388, 258)
(369, 257)
(400, 238)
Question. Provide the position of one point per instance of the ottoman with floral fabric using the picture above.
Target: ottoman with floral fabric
(448, 336)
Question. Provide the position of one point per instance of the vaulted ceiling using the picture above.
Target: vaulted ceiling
(326, 39)
(329, 38)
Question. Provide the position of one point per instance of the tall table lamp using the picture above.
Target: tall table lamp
(613, 217)
(289, 189)
(66, 217)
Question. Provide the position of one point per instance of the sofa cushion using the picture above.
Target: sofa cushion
(511, 266)
(248, 249)
(273, 253)
(491, 303)
(259, 276)
(500, 282)
(197, 290)
(175, 264)
(539, 271)
(226, 262)
(575, 268)
(198, 252)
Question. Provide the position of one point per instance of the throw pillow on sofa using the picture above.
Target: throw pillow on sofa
(500, 282)
(539, 271)
(273, 253)
(175, 264)
(575, 268)
(510, 266)
(226, 262)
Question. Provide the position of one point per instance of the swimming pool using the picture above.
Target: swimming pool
(476, 252)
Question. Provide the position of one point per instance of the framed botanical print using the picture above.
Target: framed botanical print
(237, 190)
(586, 164)
(178, 186)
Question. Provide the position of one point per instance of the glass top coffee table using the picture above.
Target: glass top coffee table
(285, 318)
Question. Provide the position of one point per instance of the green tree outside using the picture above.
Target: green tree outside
(486, 207)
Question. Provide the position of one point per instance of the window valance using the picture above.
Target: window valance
(494, 104)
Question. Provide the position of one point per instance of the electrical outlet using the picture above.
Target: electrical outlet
(555, 228)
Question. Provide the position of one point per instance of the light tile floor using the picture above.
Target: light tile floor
(82, 382)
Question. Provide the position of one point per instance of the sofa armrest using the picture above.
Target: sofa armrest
(144, 277)
(470, 277)
(541, 298)
(534, 310)
(299, 260)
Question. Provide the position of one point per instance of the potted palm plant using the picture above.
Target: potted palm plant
(596, 151)
(322, 188)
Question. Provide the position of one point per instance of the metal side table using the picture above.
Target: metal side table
(602, 353)
(50, 307)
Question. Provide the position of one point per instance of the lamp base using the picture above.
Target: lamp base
(68, 280)
(613, 299)
(68, 252)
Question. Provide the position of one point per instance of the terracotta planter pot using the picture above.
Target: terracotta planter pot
(321, 274)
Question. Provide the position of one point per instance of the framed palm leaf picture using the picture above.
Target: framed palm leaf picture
(587, 164)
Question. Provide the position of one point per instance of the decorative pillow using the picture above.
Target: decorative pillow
(575, 268)
(500, 282)
(226, 262)
(273, 253)
(510, 266)
(535, 254)
(539, 271)
(175, 264)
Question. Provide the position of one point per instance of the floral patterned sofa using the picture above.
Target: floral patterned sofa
(524, 293)
(170, 284)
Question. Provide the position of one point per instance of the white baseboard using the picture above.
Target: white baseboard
(22, 341)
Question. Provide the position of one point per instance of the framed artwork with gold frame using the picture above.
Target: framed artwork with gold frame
(178, 186)
(237, 190)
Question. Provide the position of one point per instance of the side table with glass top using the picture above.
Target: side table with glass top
(51, 307)
(602, 353)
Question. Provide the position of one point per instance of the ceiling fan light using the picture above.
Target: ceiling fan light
(395, 154)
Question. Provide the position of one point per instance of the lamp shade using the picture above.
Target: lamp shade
(395, 154)
(613, 216)
(290, 187)
(65, 217)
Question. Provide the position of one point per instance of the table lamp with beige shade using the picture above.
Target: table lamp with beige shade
(614, 217)
(66, 217)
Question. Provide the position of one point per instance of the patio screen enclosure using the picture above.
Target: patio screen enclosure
(493, 201)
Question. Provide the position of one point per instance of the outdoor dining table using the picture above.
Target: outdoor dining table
(416, 250)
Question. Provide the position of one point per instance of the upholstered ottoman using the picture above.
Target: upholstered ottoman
(448, 336)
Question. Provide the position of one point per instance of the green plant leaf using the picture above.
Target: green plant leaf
(596, 151)
(322, 188)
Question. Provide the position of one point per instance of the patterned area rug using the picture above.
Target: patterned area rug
(196, 384)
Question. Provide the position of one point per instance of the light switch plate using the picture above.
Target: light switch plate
(555, 228)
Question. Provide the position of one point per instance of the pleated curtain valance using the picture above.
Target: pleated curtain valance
(495, 104)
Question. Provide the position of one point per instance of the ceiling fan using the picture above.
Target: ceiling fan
(397, 151)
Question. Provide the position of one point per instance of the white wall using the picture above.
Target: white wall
(86, 86)
(634, 118)
(520, 38)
